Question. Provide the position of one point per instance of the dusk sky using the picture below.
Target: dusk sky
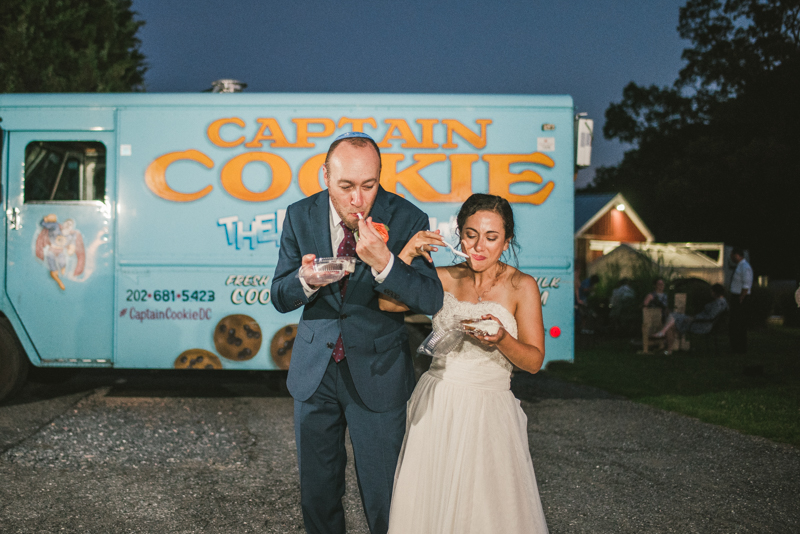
(587, 49)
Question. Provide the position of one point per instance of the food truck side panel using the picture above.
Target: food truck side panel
(197, 188)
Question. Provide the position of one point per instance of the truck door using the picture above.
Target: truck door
(60, 253)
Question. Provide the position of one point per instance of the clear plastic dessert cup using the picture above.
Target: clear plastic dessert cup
(441, 342)
(327, 270)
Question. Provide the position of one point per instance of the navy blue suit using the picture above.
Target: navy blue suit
(368, 390)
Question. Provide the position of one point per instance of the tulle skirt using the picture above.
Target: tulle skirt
(465, 466)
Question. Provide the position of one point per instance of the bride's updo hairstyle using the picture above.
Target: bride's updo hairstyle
(481, 202)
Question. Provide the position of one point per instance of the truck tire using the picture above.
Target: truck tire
(13, 362)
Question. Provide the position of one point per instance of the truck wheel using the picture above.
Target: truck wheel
(13, 362)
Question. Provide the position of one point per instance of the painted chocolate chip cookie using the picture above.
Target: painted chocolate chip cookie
(281, 346)
(237, 337)
(197, 359)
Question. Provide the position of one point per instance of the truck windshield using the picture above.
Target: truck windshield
(65, 171)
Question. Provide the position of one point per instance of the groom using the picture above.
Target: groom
(351, 365)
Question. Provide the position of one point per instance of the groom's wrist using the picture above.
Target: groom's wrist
(381, 274)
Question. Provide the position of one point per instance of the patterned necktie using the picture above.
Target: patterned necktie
(346, 248)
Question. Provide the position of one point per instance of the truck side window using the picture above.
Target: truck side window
(65, 171)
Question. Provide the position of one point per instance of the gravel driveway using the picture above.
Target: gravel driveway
(170, 452)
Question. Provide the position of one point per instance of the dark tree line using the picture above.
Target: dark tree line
(716, 156)
(69, 46)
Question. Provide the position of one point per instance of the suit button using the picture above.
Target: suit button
(343, 316)
(330, 345)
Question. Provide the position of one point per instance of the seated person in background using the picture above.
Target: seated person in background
(657, 298)
(622, 300)
(621, 293)
(700, 323)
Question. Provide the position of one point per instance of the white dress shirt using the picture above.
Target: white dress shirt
(742, 278)
(337, 235)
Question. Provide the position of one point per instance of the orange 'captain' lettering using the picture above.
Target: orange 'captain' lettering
(478, 141)
(215, 137)
(303, 133)
(275, 135)
(405, 133)
(500, 176)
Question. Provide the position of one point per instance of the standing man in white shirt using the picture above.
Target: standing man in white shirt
(741, 287)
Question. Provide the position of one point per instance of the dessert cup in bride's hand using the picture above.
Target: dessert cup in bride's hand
(324, 271)
(478, 326)
(488, 337)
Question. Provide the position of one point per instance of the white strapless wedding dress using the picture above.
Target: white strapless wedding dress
(465, 466)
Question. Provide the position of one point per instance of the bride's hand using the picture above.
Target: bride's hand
(495, 339)
(422, 244)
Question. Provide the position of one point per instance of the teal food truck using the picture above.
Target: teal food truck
(142, 230)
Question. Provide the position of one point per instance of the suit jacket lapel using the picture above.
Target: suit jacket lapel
(320, 225)
(321, 228)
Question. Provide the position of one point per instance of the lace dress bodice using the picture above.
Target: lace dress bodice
(470, 348)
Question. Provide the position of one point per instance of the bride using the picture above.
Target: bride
(465, 465)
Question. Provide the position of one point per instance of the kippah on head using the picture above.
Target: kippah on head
(358, 139)
(353, 134)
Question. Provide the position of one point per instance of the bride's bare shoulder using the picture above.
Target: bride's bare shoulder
(521, 290)
(453, 272)
(522, 284)
(450, 275)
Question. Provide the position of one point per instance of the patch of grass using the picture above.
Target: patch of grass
(756, 394)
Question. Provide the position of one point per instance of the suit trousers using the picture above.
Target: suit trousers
(320, 423)
(739, 319)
